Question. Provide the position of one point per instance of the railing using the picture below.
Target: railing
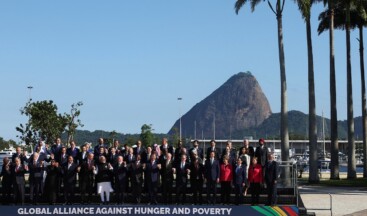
(325, 209)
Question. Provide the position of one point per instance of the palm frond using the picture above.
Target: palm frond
(238, 5)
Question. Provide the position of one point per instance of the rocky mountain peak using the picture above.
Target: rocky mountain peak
(238, 104)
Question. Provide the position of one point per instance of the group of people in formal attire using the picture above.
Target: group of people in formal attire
(140, 172)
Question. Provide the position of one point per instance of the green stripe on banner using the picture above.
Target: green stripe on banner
(265, 210)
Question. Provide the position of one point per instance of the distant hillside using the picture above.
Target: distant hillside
(236, 105)
(298, 127)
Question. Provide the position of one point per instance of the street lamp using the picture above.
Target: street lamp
(180, 99)
(30, 89)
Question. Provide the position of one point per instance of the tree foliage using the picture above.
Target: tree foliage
(146, 136)
(45, 123)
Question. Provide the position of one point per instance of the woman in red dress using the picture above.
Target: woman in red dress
(226, 177)
(255, 178)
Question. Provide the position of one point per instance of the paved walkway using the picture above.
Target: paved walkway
(345, 200)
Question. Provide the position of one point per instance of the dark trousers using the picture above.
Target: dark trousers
(211, 188)
(137, 188)
(167, 190)
(197, 190)
(225, 189)
(120, 189)
(19, 193)
(153, 190)
(6, 193)
(69, 191)
(272, 194)
(181, 192)
(239, 194)
(255, 193)
(86, 187)
(35, 190)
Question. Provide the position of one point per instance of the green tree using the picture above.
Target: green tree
(278, 11)
(146, 135)
(305, 9)
(73, 121)
(44, 122)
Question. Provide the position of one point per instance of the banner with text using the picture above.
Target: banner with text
(149, 210)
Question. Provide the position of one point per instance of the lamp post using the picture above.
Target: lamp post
(180, 99)
(30, 89)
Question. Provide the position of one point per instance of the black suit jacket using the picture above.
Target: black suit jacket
(167, 172)
(216, 151)
(181, 173)
(136, 171)
(22, 157)
(141, 151)
(151, 171)
(164, 151)
(18, 175)
(262, 155)
(212, 171)
(271, 172)
(240, 175)
(82, 156)
(120, 173)
(35, 171)
(69, 174)
(196, 172)
(199, 152)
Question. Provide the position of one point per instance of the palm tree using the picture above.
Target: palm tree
(305, 9)
(329, 16)
(284, 135)
(357, 19)
(361, 21)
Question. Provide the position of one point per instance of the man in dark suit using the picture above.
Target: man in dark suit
(165, 147)
(182, 170)
(177, 154)
(97, 148)
(152, 175)
(36, 168)
(246, 145)
(271, 178)
(212, 172)
(139, 149)
(56, 148)
(63, 157)
(83, 154)
(86, 178)
(51, 182)
(239, 180)
(120, 173)
(195, 150)
(69, 176)
(130, 157)
(136, 170)
(214, 149)
(261, 153)
(73, 151)
(230, 152)
(19, 154)
(167, 179)
(196, 180)
(18, 171)
(112, 156)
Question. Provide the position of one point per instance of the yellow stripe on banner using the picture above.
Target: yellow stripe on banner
(279, 211)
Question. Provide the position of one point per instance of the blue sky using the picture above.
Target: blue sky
(128, 61)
